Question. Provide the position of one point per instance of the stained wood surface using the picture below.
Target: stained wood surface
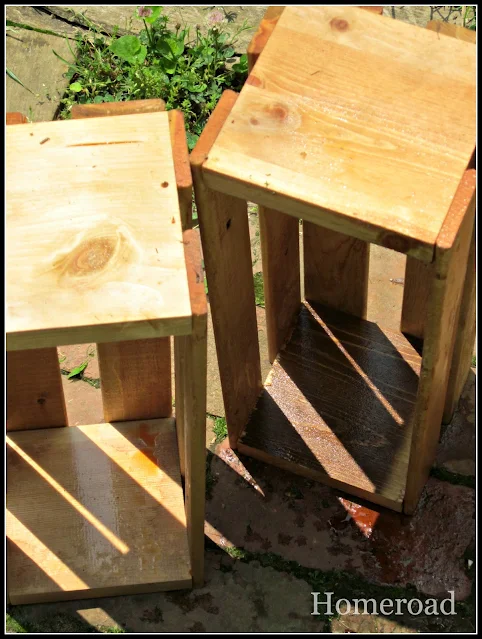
(35, 398)
(95, 511)
(280, 251)
(192, 373)
(453, 30)
(106, 109)
(224, 229)
(353, 130)
(336, 269)
(336, 406)
(94, 237)
(182, 167)
(464, 338)
(453, 246)
(15, 118)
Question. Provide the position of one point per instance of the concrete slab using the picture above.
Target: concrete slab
(36, 17)
(110, 16)
(30, 58)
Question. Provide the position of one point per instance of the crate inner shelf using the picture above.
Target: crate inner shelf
(94, 511)
(337, 405)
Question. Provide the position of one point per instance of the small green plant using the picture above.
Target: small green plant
(258, 289)
(78, 370)
(220, 429)
(474, 360)
(470, 18)
(189, 72)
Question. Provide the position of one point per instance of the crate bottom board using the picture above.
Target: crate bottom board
(337, 404)
(95, 511)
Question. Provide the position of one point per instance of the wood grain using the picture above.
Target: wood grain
(135, 379)
(107, 109)
(336, 269)
(35, 398)
(224, 229)
(280, 252)
(337, 404)
(352, 130)
(192, 372)
(416, 290)
(95, 511)
(94, 236)
(464, 338)
(182, 167)
(453, 245)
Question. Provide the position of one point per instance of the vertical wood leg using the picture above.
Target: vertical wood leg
(192, 371)
(464, 339)
(136, 379)
(35, 398)
(224, 228)
(416, 291)
(280, 252)
(336, 269)
(180, 391)
(450, 267)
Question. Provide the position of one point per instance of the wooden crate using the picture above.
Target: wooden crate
(99, 249)
(364, 128)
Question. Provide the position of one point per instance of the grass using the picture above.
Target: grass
(258, 289)
(220, 428)
(474, 361)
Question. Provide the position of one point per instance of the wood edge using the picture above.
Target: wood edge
(377, 10)
(463, 199)
(262, 35)
(348, 489)
(195, 275)
(15, 117)
(213, 127)
(107, 109)
(182, 167)
(453, 31)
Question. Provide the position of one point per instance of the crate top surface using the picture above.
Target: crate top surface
(355, 121)
(94, 246)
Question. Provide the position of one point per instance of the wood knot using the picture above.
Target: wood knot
(277, 112)
(103, 250)
(339, 24)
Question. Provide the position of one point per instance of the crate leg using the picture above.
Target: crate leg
(191, 374)
(227, 254)
(336, 269)
(280, 252)
(136, 379)
(464, 339)
(451, 259)
(180, 394)
(35, 398)
(416, 290)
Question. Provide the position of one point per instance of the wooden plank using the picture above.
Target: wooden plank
(451, 261)
(15, 118)
(464, 338)
(416, 290)
(116, 489)
(418, 276)
(35, 398)
(135, 379)
(181, 166)
(107, 109)
(227, 254)
(452, 30)
(339, 132)
(80, 267)
(337, 404)
(280, 252)
(336, 269)
(191, 373)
